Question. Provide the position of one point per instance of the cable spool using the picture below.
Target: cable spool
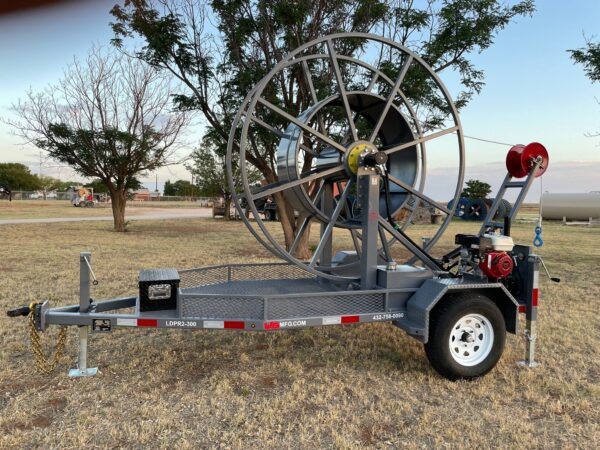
(461, 207)
(520, 159)
(477, 210)
(349, 100)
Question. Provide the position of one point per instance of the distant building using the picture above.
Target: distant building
(141, 194)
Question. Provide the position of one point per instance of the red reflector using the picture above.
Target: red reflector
(522, 308)
(535, 296)
(350, 319)
(147, 323)
(235, 325)
(271, 325)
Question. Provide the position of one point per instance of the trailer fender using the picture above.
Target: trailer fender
(420, 305)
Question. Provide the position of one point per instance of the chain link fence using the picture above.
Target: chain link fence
(206, 202)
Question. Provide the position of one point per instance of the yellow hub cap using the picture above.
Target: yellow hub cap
(352, 156)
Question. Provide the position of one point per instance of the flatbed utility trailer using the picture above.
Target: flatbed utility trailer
(459, 305)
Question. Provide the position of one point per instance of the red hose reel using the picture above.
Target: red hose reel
(521, 158)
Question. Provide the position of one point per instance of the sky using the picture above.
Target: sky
(533, 92)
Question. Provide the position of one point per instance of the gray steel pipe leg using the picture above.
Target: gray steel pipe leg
(82, 370)
(530, 336)
(531, 310)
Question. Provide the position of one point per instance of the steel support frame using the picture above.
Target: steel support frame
(82, 370)
(531, 314)
(368, 197)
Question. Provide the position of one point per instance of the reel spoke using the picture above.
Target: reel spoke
(329, 229)
(341, 88)
(278, 187)
(420, 140)
(416, 193)
(299, 233)
(391, 98)
(326, 139)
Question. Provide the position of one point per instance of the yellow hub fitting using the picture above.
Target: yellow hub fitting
(353, 156)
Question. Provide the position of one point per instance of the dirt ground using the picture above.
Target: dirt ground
(352, 386)
(39, 211)
(33, 209)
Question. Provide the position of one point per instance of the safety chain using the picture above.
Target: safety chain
(43, 364)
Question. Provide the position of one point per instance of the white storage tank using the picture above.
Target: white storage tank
(571, 206)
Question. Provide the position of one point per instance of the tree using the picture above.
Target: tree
(169, 189)
(108, 117)
(218, 70)
(476, 189)
(18, 177)
(589, 58)
(208, 166)
(181, 188)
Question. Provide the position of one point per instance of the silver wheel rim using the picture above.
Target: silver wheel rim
(471, 340)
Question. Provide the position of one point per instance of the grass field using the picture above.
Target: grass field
(352, 386)
(35, 209)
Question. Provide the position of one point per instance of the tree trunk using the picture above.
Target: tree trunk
(290, 226)
(227, 205)
(302, 251)
(118, 198)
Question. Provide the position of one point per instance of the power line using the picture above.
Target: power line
(488, 141)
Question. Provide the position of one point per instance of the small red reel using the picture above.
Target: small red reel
(520, 159)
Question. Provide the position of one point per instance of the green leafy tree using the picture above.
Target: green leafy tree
(589, 58)
(476, 189)
(181, 188)
(208, 167)
(219, 69)
(18, 177)
(109, 118)
(169, 189)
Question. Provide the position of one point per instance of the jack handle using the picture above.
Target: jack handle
(555, 279)
(18, 312)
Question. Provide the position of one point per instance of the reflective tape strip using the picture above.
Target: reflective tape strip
(228, 324)
(535, 296)
(350, 319)
(536, 279)
(335, 320)
(522, 308)
(147, 323)
(127, 322)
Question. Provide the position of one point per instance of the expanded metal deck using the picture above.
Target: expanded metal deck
(268, 291)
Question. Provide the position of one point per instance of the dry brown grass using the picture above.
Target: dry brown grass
(342, 387)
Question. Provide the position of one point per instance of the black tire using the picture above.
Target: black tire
(271, 215)
(442, 323)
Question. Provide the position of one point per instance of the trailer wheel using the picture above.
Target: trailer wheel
(466, 337)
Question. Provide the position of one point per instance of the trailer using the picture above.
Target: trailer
(353, 181)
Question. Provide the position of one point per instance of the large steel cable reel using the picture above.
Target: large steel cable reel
(315, 190)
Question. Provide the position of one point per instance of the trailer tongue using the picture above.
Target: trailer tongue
(353, 161)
